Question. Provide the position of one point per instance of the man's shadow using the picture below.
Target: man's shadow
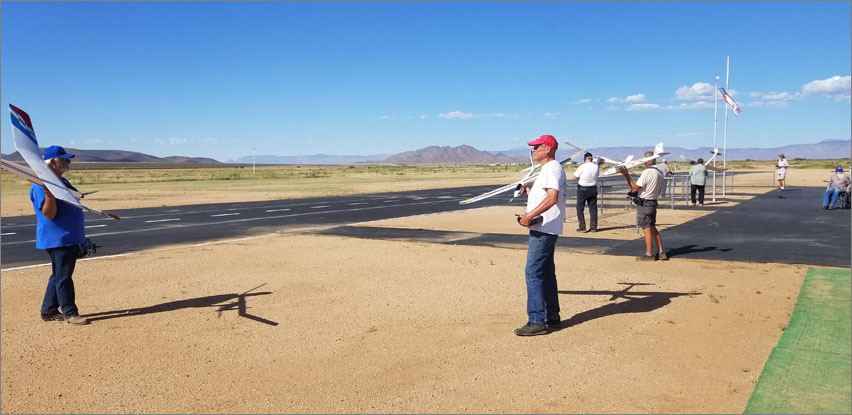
(223, 302)
(637, 302)
(691, 249)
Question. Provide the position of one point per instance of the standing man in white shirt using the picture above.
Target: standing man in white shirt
(587, 193)
(648, 187)
(782, 170)
(546, 198)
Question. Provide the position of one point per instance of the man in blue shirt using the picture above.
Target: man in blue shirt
(59, 231)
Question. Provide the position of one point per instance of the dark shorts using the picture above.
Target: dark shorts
(646, 215)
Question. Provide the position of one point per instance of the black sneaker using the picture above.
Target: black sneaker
(646, 258)
(553, 323)
(581, 230)
(662, 256)
(54, 316)
(531, 329)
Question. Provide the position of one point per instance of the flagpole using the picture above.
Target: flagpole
(725, 142)
(715, 123)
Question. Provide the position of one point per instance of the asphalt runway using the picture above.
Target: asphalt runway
(147, 228)
(784, 227)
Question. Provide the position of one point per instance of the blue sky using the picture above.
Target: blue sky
(214, 79)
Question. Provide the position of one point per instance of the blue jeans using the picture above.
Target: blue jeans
(60, 286)
(832, 194)
(542, 295)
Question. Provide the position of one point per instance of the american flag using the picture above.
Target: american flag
(730, 102)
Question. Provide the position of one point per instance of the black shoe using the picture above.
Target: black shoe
(581, 230)
(646, 258)
(531, 329)
(554, 323)
(825, 207)
(54, 316)
(593, 230)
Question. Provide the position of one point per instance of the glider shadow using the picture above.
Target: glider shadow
(637, 302)
(222, 302)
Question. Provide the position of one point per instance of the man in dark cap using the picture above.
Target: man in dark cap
(59, 231)
(587, 193)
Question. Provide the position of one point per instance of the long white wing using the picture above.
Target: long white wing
(27, 146)
(530, 177)
(28, 174)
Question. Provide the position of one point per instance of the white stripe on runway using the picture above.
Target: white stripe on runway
(357, 203)
(161, 220)
(8, 233)
(224, 214)
(277, 210)
(320, 206)
(94, 226)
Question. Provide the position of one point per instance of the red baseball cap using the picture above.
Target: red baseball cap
(546, 139)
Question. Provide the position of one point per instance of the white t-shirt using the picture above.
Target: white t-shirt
(587, 174)
(782, 165)
(552, 176)
(651, 181)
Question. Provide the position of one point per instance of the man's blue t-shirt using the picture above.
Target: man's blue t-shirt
(65, 229)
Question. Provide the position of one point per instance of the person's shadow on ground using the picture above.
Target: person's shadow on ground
(223, 302)
(637, 302)
(691, 249)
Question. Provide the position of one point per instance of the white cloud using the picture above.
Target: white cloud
(456, 114)
(551, 115)
(615, 100)
(424, 116)
(635, 98)
(700, 105)
(177, 140)
(777, 104)
(699, 91)
(385, 117)
(584, 101)
(837, 87)
(611, 108)
(643, 107)
(468, 115)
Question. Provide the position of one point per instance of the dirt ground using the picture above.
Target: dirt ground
(301, 323)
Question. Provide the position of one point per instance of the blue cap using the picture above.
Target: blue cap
(53, 152)
(587, 156)
(838, 169)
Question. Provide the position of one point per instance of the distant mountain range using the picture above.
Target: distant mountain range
(311, 159)
(827, 149)
(120, 156)
(465, 154)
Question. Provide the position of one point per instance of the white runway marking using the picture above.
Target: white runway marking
(161, 220)
(94, 226)
(8, 233)
(223, 214)
(320, 206)
(277, 210)
(389, 201)
(266, 218)
(357, 203)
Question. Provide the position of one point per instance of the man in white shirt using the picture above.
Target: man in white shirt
(648, 187)
(546, 199)
(782, 170)
(587, 193)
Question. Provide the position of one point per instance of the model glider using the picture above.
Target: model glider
(715, 152)
(27, 173)
(518, 186)
(628, 162)
(27, 145)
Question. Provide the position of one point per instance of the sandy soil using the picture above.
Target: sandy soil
(300, 323)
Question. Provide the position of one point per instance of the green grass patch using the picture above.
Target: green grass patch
(810, 370)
